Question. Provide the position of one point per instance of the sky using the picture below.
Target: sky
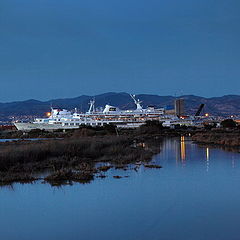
(67, 48)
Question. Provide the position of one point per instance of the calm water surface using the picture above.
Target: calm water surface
(21, 139)
(196, 195)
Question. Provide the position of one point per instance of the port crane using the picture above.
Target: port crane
(199, 110)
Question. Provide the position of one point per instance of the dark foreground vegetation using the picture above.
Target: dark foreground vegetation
(79, 156)
(228, 135)
(222, 137)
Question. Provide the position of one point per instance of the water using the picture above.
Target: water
(21, 139)
(196, 195)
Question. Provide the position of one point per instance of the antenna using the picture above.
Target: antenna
(51, 106)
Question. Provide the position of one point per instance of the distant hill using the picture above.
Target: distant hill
(226, 105)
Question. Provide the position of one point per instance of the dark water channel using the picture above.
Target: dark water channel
(196, 195)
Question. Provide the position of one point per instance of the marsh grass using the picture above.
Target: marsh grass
(69, 160)
(219, 137)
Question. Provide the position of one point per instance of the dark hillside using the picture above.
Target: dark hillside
(226, 105)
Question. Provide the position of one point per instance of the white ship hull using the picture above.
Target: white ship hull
(41, 126)
(52, 127)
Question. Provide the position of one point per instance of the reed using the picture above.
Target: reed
(220, 137)
(72, 158)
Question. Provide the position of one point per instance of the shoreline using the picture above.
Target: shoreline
(229, 138)
(74, 157)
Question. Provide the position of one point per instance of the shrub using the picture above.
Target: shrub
(228, 123)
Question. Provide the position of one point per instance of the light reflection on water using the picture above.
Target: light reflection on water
(194, 196)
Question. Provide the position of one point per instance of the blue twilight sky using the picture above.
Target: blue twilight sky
(65, 48)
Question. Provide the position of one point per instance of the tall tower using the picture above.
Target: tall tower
(179, 107)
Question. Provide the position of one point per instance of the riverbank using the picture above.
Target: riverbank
(223, 137)
(79, 157)
(99, 131)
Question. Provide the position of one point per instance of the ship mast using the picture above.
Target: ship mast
(92, 106)
(137, 102)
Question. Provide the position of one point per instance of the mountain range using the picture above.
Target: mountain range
(224, 106)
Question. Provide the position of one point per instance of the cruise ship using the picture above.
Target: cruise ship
(64, 119)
